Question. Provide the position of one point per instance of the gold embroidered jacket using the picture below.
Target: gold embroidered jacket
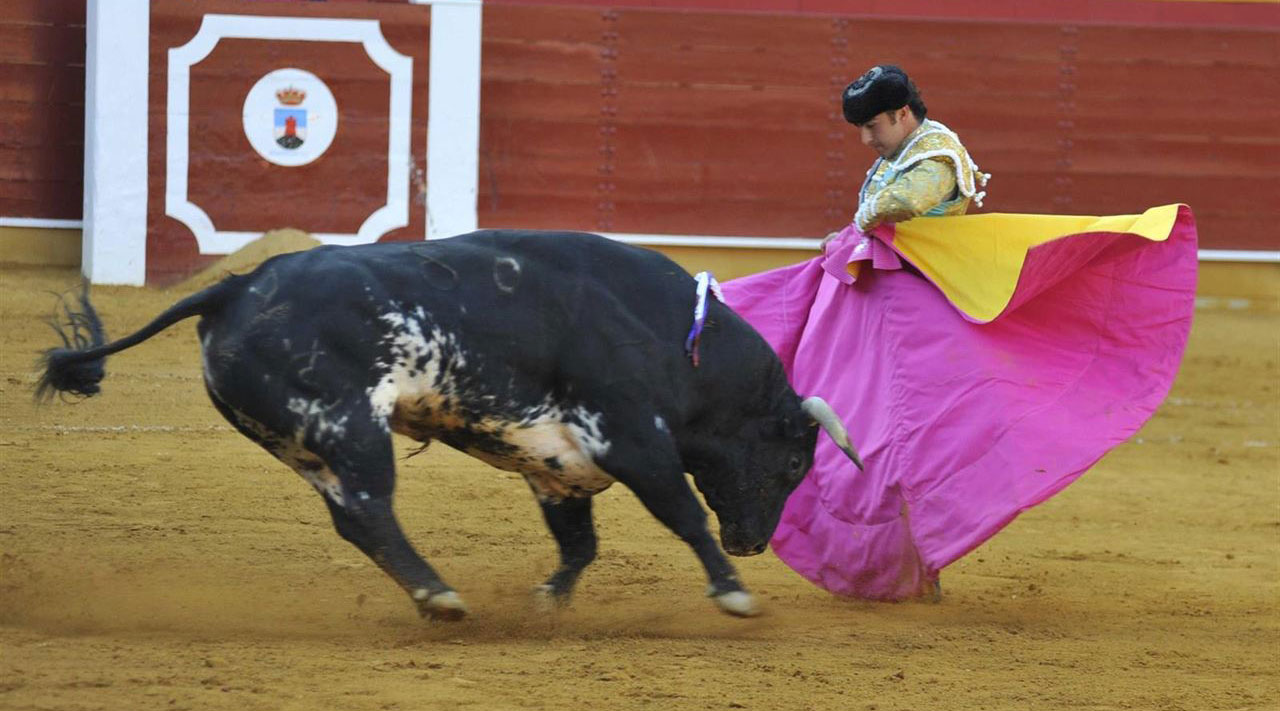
(930, 174)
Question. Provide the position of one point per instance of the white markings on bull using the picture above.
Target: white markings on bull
(423, 393)
(408, 388)
(297, 457)
(556, 450)
(324, 481)
(204, 357)
(506, 274)
(660, 424)
(315, 415)
(739, 603)
(588, 432)
(288, 450)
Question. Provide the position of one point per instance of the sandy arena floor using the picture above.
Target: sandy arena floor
(151, 558)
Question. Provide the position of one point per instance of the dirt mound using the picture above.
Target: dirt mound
(251, 255)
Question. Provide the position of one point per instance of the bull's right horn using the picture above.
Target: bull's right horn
(821, 412)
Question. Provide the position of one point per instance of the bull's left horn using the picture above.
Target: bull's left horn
(821, 412)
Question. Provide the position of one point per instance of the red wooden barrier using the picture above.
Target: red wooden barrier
(658, 120)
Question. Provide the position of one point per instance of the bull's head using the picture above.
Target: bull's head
(746, 479)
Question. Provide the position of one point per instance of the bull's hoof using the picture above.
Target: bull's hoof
(738, 603)
(447, 605)
(547, 600)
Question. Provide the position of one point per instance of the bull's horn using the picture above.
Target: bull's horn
(821, 412)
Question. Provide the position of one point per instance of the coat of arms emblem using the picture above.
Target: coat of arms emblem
(291, 120)
(290, 117)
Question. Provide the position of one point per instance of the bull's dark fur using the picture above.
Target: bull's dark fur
(577, 319)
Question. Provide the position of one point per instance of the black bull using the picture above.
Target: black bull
(556, 355)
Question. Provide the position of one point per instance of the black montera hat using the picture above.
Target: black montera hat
(884, 87)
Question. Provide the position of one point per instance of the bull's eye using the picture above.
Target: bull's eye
(794, 463)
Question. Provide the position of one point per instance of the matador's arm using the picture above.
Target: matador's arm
(921, 188)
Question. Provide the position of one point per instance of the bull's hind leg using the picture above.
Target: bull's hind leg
(371, 526)
(570, 522)
(363, 461)
(354, 472)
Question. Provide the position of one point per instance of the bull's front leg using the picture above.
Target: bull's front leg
(665, 492)
(570, 522)
(680, 511)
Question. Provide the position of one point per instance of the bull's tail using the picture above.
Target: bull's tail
(77, 367)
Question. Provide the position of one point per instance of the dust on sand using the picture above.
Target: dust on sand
(150, 557)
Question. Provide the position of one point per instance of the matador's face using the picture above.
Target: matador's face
(885, 132)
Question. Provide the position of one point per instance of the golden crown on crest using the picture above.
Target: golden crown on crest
(289, 96)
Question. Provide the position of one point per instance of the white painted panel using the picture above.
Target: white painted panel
(115, 142)
(453, 123)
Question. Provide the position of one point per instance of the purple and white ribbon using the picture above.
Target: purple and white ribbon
(706, 283)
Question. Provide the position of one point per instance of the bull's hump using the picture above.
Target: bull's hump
(428, 388)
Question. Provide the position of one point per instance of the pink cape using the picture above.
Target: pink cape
(963, 425)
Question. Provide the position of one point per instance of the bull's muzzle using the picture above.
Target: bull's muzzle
(744, 550)
(735, 541)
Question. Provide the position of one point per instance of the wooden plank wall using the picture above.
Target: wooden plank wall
(670, 121)
(1199, 13)
(42, 108)
(652, 119)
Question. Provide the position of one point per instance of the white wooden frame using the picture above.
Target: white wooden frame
(391, 215)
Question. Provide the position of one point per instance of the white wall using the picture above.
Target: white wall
(115, 142)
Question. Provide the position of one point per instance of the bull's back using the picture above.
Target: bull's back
(494, 280)
(541, 301)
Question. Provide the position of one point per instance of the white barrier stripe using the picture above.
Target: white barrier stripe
(42, 222)
(801, 243)
(1238, 255)
(710, 241)
(727, 242)
(1220, 302)
(99, 429)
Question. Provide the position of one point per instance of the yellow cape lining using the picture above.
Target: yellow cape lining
(980, 278)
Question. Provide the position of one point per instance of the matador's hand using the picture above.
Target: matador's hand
(826, 240)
